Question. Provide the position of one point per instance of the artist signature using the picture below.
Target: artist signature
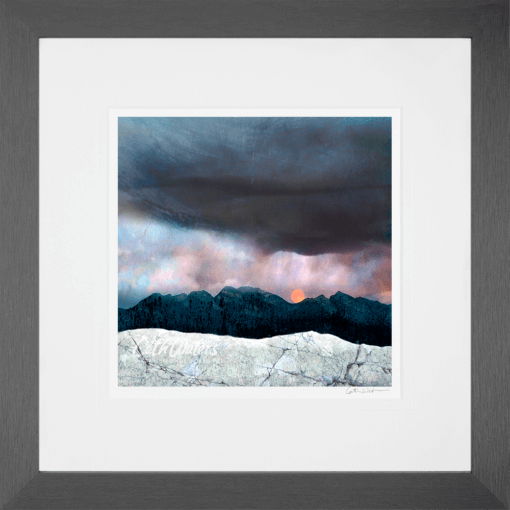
(363, 390)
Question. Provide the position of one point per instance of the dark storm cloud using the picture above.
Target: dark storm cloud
(305, 185)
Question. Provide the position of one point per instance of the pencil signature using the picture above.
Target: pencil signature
(363, 390)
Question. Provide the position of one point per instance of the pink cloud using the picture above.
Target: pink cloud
(208, 261)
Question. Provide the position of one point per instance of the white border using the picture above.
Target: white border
(147, 393)
(428, 429)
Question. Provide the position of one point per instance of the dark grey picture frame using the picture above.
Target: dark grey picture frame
(23, 22)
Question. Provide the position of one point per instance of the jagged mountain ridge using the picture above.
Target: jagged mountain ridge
(249, 312)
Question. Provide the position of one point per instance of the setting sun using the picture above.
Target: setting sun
(297, 295)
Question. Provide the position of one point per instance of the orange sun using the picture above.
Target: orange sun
(297, 295)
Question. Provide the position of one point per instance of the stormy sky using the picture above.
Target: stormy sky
(276, 203)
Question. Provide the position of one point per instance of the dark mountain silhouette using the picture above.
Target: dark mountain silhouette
(253, 313)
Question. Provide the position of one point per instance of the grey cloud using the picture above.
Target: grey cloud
(307, 185)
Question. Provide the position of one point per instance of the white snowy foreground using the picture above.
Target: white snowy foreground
(157, 357)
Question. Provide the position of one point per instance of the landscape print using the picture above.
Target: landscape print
(254, 251)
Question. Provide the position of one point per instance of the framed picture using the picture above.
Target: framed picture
(255, 248)
(175, 232)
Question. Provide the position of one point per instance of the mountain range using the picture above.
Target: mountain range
(249, 312)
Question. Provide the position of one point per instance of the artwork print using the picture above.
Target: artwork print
(255, 251)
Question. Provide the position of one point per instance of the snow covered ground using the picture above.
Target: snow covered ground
(157, 357)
